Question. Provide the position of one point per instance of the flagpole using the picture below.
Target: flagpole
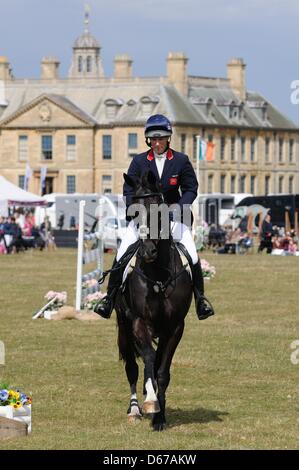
(197, 156)
(197, 215)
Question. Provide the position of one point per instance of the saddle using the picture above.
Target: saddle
(184, 255)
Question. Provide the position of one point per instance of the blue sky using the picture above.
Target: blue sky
(210, 32)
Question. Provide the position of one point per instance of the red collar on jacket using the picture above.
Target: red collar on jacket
(151, 156)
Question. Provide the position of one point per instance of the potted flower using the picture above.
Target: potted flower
(208, 271)
(91, 300)
(15, 405)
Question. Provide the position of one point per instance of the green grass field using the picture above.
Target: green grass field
(233, 385)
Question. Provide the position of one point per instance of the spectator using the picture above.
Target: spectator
(292, 248)
(266, 235)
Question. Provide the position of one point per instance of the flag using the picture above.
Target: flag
(43, 173)
(210, 151)
(202, 150)
(28, 174)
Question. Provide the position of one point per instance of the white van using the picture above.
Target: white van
(63, 210)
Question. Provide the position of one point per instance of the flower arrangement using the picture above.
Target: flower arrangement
(60, 299)
(91, 300)
(208, 271)
(13, 398)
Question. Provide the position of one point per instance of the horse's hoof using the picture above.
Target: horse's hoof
(133, 419)
(150, 407)
(159, 426)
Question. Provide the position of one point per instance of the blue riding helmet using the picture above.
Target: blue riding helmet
(157, 126)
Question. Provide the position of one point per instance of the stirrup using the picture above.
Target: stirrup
(104, 308)
(204, 308)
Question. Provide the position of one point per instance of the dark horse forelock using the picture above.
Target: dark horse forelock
(153, 306)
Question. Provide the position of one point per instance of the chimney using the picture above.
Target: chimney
(49, 68)
(237, 78)
(123, 66)
(177, 71)
(5, 70)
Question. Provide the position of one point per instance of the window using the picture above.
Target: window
(222, 183)
(71, 184)
(80, 64)
(252, 149)
(22, 182)
(47, 151)
(71, 147)
(23, 148)
(267, 184)
(252, 184)
(291, 151)
(291, 184)
(106, 184)
(107, 147)
(280, 184)
(222, 148)
(242, 184)
(233, 184)
(132, 144)
(183, 143)
(210, 184)
(232, 148)
(106, 178)
(243, 149)
(267, 149)
(132, 141)
(88, 64)
(280, 150)
(147, 105)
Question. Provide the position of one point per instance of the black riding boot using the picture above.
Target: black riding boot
(203, 307)
(106, 305)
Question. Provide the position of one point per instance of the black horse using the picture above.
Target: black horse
(151, 311)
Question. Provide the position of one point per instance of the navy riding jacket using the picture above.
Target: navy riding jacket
(178, 182)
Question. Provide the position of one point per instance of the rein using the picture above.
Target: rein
(124, 260)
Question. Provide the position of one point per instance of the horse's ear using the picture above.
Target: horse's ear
(151, 178)
(130, 181)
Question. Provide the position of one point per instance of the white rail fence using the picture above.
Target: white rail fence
(87, 255)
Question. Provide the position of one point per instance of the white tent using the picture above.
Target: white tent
(12, 195)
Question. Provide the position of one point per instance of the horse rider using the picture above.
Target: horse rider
(177, 181)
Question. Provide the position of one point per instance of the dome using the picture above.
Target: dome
(86, 40)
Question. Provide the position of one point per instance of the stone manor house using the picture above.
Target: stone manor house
(85, 129)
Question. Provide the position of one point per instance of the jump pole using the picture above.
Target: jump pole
(80, 255)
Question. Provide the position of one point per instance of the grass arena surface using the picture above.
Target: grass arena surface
(233, 385)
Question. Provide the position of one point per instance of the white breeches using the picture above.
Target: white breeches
(180, 233)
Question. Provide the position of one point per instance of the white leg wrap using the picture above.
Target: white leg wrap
(150, 392)
(181, 233)
(134, 411)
